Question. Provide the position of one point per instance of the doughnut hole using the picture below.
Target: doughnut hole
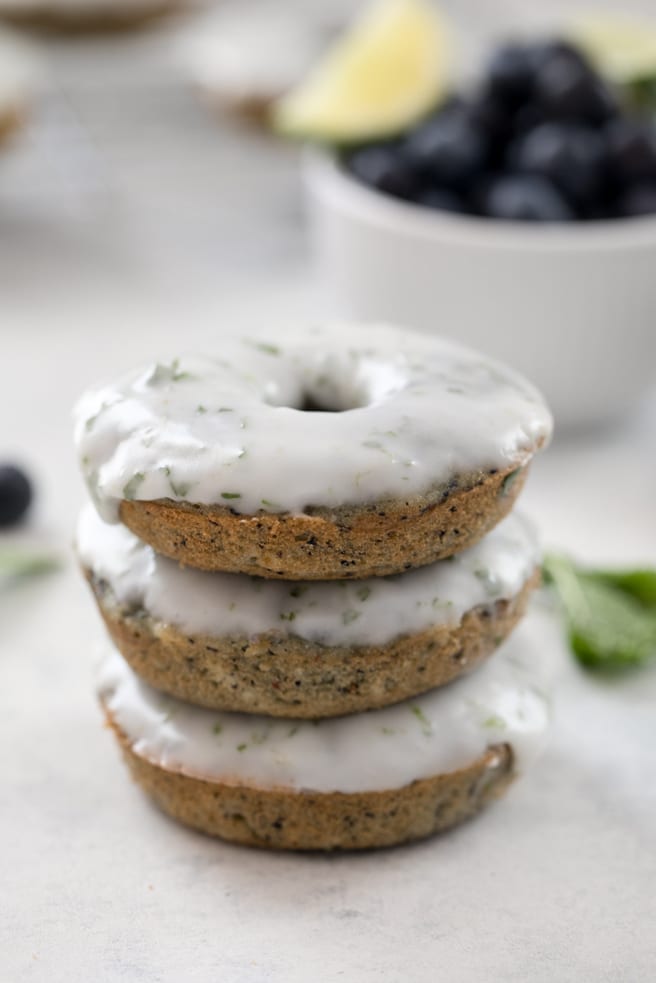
(342, 383)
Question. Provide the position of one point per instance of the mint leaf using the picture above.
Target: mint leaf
(610, 618)
(15, 563)
(640, 584)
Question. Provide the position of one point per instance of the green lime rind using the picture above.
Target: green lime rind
(610, 616)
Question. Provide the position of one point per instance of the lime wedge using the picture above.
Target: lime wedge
(388, 71)
(623, 48)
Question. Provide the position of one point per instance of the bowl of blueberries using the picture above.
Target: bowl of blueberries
(519, 218)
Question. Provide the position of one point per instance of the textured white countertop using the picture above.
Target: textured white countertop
(111, 250)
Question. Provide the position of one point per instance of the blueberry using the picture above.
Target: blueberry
(541, 53)
(510, 75)
(448, 149)
(567, 89)
(524, 198)
(441, 200)
(527, 118)
(384, 167)
(488, 113)
(15, 494)
(632, 150)
(573, 158)
(640, 199)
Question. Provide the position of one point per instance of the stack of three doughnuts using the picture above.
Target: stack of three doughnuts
(313, 544)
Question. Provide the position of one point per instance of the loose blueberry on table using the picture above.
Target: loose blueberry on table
(15, 494)
(543, 139)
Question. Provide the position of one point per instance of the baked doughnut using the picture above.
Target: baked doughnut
(342, 452)
(71, 16)
(366, 780)
(242, 58)
(233, 642)
(19, 78)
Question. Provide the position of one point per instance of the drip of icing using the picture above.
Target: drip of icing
(412, 412)
(373, 611)
(506, 701)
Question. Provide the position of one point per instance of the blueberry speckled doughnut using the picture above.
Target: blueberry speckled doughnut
(365, 780)
(19, 79)
(233, 642)
(342, 452)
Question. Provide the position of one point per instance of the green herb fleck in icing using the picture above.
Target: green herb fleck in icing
(363, 593)
(162, 374)
(387, 730)
(288, 616)
(201, 409)
(91, 422)
(293, 730)
(268, 349)
(348, 617)
(242, 747)
(217, 728)
(509, 481)
(132, 486)
(423, 720)
(298, 591)
(230, 495)
(180, 488)
(495, 721)
(225, 409)
(489, 581)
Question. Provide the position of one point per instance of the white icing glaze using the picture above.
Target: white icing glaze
(229, 430)
(373, 611)
(256, 53)
(506, 700)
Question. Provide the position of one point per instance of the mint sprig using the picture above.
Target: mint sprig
(610, 615)
(16, 563)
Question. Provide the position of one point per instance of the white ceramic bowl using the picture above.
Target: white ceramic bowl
(571, 306)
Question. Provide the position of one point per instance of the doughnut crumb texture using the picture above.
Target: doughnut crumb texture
(368, 779)
(279, 820)
(376, 540)
(306, 649)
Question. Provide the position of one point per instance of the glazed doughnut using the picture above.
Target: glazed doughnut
(243, 58)
(366, 780)
(19, 78)
(233, 642)
(342, 452)
(87, 15)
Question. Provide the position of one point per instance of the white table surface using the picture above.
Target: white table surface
(110, 252)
